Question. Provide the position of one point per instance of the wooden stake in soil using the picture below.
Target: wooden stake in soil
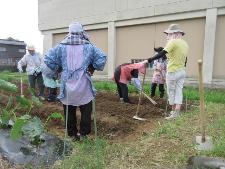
(202, 102)
(204, 142)
(21, 85)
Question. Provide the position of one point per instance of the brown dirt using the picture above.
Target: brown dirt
(114, 119)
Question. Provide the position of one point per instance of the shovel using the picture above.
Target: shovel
(203, 142)
(139, 101)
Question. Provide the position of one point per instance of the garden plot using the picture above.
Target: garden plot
(114, 119)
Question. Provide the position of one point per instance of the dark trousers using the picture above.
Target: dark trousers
(85, 122)
(52, 92)
(32, 81)
(161, 89)
(121, 88)
(123, 91)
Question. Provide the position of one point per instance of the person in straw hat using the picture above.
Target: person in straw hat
(176, 51)
(32, 60)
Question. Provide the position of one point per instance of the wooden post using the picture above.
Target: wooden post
(202, 102)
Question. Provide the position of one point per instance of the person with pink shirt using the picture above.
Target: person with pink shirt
(159, 74)
(124, 73)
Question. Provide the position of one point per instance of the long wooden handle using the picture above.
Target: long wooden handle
(149, 98)
(202, 103)
(141, 93)
(21, 85)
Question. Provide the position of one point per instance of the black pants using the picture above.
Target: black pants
(85, 122)
(52, 92)
(121, 88)
(161, 89)
(123, 91)
(32, 81)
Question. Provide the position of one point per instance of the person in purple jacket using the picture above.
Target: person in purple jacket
(77, 59)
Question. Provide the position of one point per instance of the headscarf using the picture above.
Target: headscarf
(76, 35)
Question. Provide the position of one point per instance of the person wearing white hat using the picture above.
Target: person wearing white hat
(32, 60)
(77, 59)
(176, 51)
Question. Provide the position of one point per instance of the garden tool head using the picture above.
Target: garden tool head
(139, 118)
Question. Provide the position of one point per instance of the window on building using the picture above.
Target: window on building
(2, 49)
(22, 50)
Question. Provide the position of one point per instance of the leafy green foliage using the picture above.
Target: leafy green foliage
(9, 104)
(56, 115)
(34, 130)
(36, 101)
(7, 86)
(25, 103)
(4, 118)
(16, 131)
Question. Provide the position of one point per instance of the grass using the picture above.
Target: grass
(211, 95)
(13, 76)
(86, 155)
(170, 144)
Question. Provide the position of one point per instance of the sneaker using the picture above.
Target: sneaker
(173, 115)
(121, 100)
(41, 98)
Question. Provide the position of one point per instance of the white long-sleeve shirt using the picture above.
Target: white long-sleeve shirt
(32, 63)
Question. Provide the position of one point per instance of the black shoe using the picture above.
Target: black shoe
(51, 100)
(161, 95)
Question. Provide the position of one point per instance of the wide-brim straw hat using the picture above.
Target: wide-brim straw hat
(173, 28)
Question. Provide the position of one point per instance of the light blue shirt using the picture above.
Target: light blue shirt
(56, 59)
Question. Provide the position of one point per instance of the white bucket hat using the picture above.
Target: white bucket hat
(31, 47)
(173, 28)
(75, 27)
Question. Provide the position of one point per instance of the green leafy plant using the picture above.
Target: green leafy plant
(53, 116)
(7, 86)
(34, 130)
(16, 131)
(4, 118)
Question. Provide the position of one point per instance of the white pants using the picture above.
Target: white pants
(175, 82)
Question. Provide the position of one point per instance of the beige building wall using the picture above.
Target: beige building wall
(137, 42)
(97, 37)
(219, 57)
(129, 29)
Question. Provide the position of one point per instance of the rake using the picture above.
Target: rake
(139, 101)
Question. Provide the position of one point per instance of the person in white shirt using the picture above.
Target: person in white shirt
(32, 60)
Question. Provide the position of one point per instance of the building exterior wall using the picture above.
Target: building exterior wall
(10, 56)
(97, 37)
(219, 57)
(130, 29)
